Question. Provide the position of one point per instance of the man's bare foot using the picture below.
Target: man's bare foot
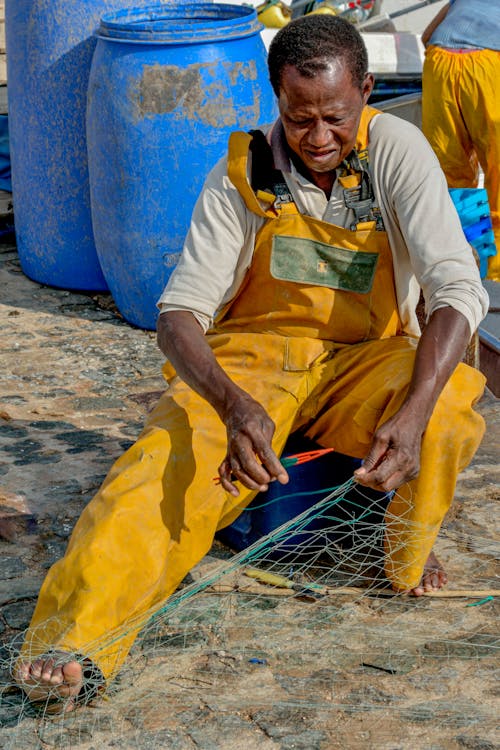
(56, 676)
(433, 578)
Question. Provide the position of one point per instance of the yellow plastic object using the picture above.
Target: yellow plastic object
(324, 9)
(274, 14)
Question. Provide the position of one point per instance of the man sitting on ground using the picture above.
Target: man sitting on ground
(292, 309)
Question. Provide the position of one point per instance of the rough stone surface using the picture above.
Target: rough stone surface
(76, 383)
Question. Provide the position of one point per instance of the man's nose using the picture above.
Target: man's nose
(320, 134)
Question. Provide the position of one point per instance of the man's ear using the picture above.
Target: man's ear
(367, 88)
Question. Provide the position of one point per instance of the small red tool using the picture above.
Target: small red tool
(294, 459)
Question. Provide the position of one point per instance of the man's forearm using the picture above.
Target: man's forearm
(394, 455)
(183, 342)
(440, 349)
(250, 456)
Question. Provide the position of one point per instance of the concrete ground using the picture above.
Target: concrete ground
(76, 382)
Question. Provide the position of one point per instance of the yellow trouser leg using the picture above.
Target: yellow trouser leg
(155, 515)
(95, 599)
(461, 120)
(442, 122)
(416, 512)
(364, 385)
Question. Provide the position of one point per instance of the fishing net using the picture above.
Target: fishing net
(295, 642)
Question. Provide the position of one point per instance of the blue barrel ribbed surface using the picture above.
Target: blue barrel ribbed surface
(167, 86)
(49, 53)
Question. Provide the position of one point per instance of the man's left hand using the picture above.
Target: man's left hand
(394, 456)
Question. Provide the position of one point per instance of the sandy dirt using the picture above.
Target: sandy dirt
(76, 382)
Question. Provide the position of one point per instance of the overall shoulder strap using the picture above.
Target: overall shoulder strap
(354, 176)
(267, 181)
(267, 184)
(237, 162)
(367, 116)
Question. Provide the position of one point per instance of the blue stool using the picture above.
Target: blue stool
(356, 513)
(474, 212)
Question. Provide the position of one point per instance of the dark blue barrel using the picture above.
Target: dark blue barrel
(49, 52)
(166, 88)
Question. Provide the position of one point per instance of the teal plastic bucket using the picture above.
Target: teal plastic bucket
(167, 87)
(474, 212)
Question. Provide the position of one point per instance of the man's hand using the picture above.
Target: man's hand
(394, 456)
(250, 457)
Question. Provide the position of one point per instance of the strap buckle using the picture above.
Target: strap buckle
(362, 208)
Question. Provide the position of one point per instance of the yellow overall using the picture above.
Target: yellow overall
(461, 120)
(317, 342)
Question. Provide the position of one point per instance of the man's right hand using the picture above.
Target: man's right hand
(250, 458)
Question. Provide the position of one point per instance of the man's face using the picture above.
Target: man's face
(320, 116)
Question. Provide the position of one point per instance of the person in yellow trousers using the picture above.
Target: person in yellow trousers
(461, 99)
(292, 309)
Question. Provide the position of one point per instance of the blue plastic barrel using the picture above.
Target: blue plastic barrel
(49, 52)
(167, 87)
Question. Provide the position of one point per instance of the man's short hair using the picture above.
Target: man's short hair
(310, 42)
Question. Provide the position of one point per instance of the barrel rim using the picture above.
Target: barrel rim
(195, 22)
